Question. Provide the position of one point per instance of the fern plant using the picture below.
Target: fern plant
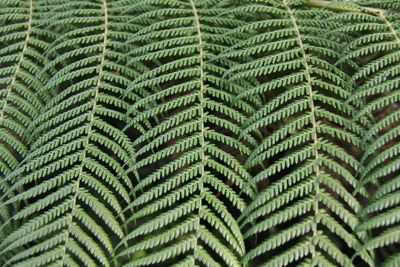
(73, 182)
(24, 40)
(303, 156)
(375, 80)
(189, 125)
(199, 133)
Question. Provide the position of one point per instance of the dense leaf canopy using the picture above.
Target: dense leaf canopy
(199, 133)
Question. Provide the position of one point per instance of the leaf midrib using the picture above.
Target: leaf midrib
(313, 122)
(89, 128)
(202, 127)
(17, 68)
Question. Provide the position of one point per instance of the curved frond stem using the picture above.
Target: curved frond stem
(21, 58)
(341, 7)
(89, 129)
(390, 27)
(313, 120)
(201, 110)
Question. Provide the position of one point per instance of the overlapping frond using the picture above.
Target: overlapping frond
(376, 79)
(199, 133)
(24, 38)
(73, 185)
(304, 161)
(190, 155)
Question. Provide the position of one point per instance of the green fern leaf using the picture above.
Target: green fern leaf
(75, 179)
(377, 86)
(305, 155)
(192, 143)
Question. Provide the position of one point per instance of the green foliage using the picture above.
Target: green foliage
(199, 133)
(189, 122)
(375, 79)
(23, 43)
(74, 182)
(307, 134)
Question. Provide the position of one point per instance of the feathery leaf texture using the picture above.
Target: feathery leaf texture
(189, 122)
(303, 156)
(375, 80)
(23, 42)
(199, 133)
(74, 178)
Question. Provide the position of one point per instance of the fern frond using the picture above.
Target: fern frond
(199, 133)
(25, 36)
(376, 83)
(304, 160)
(190, 123)
(74, 180)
